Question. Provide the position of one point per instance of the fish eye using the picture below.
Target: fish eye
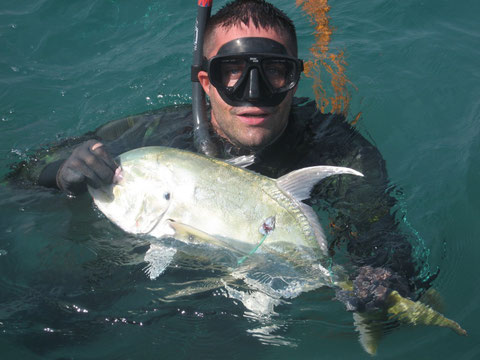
(166, 196)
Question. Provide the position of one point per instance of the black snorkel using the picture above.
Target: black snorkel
(201, 136)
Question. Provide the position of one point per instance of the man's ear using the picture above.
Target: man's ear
(204, 81)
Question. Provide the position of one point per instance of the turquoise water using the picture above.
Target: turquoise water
(71, 284)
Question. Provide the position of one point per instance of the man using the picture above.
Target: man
(250, 76)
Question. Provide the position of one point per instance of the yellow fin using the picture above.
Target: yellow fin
(345, 285)
(191, 234)
(415, 313)
(370, 329)
(432, 298)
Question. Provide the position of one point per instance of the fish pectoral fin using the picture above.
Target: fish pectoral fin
(190, 234)
(158, 257)
(417, 313)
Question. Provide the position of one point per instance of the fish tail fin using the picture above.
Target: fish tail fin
(417, 313)
(370, 330)
(432, 298)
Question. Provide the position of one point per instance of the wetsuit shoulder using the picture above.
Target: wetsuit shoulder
(313, 138)
(329, 139)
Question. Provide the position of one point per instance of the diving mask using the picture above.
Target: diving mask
(253, 71)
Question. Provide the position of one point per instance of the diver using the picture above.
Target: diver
(250, 72)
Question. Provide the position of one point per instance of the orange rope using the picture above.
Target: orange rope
(334, 64)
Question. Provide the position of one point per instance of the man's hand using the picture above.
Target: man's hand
(89, 164)
(371, 288)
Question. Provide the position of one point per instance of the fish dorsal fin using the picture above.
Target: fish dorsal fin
(312, 218)
(299, 183)
(242, 161)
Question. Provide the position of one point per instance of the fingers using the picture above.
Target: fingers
(98, 150)
(75, 175)
(96, 164)
(89, 164)
(95, 174)
(96, 146)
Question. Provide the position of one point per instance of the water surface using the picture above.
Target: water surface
(74, 286)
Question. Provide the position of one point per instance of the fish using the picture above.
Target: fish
(168, 193)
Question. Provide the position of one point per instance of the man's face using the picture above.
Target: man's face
(245, 126)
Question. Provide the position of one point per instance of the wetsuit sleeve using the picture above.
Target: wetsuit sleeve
(41, 167)
(160, 127)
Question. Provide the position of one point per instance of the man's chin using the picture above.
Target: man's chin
(255, 144)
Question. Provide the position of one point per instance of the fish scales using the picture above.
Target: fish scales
(269, 188)
(292, 206)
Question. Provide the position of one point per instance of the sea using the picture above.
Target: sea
(74, 286)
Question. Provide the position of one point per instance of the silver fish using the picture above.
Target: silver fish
(170, 193)
(166, 192)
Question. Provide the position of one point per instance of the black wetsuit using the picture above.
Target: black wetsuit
(359, 209)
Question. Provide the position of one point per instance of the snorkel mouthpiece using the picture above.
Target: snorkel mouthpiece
(253, 71)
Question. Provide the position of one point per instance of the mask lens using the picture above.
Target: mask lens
(280, 73)
(226, 72)
(231, 71)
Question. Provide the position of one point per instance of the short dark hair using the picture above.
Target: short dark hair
(258, 12)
